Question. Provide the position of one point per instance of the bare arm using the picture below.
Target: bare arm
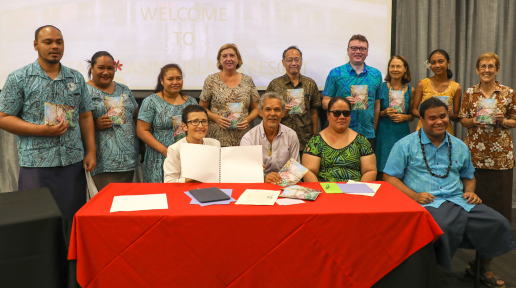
(315, 119)
(325, 101)
(417, 100)
(469, 191)
(312, 163)
(368, 167)
(376, 113)
(409, 117)
(88, 135)
(17, 126)
(421, 198)
(143, 132)
(456, 105)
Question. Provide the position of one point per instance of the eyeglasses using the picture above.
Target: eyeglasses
(337, 113)
(355, 49)
(295, 60)
(484, 67)
(197, 122)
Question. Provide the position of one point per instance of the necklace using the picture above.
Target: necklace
(449, 157)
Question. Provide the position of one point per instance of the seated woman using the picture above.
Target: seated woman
(195, 125)
(337, 153)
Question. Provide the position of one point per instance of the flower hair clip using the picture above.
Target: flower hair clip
(118, 66)
(427, 64)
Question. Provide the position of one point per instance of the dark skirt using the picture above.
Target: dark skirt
(494, 187)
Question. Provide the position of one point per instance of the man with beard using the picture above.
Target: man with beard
(47, 106)
(434, 169)
(279, 143)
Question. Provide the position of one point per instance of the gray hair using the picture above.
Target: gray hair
(271, 95)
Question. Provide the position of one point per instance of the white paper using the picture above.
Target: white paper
(373, 186)
(258, 197)
(289, 201)
(241, 164)
(200, 162)
(139, 202)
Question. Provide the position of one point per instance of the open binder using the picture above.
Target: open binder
(211, 164)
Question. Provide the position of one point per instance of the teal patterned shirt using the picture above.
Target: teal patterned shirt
(406, 162)
(24, 95)
(338, 83)
(117, 146)
(339, 165)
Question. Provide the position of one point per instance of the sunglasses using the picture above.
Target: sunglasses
(337, 113)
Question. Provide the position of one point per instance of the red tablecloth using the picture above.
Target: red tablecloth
(339, 240)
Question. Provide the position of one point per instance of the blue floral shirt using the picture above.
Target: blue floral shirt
(24, 95)
(117, 146)
(406, 162)
(338, 83)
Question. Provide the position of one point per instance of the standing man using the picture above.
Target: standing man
(279, 143)
(303, 119)
(356, 72)
(50, 155)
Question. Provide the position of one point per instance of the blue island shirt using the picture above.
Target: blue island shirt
(406, 162)
(338, 83)
(24, 95)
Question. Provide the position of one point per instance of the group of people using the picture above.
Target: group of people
(431, 166)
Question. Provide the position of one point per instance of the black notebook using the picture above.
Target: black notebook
(209, 194)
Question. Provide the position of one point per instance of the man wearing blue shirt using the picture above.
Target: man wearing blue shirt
(435, 169)
(341, 80)
(48, 107)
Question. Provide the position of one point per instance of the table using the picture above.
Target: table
(338, 240)
(32, 240)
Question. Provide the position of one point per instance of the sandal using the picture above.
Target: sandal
(490, 282)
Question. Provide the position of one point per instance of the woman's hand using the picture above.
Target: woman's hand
(388, 112)
(498, 118)
(223, 122)
(103, 122)
(397, 118)
(450, 110)
(243, 125)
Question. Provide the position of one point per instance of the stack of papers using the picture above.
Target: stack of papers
(288, 201)
(139, 202)
(226, 202)
(352, 187)
(258, 197)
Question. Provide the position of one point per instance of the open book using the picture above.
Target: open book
(211, 164)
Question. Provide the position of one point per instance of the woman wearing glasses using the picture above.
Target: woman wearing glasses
(395, 103)
(337, 153)
(488, 111)
(195, 125)
(156, 120)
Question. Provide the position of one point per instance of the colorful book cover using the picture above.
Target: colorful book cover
(359, 92)
(485, 111)
(445, 99)
(115, 109)
(57, 113)
(296, 100)
(292, 173)
(397, 100)
(179, 133)
(234, 114)
(300, 192)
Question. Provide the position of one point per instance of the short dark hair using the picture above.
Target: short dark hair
(406, 77)
(338, 98)
(292, 47)
(449, 73)
(360, 38)
(431, 102)
(161, 76)
(41, 28)
(91, 62)
(189, 109)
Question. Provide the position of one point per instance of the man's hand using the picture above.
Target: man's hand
(351, 100)
(55, 130)
(287, 107)
(273, 178)
(90, 161)
(424, 198)
(472, 198)
(103, 122)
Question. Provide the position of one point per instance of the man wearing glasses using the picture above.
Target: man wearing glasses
(356, 75)
(301, 95)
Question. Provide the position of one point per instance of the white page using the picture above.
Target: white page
(139, 202)
(258, 197)
(200, 162)
(289, 201)
(241, 164)
(373, 186)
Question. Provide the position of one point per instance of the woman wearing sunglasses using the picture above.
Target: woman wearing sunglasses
(337, 153)
(195, 124)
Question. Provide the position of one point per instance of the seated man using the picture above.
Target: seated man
(434, 168)
(279, 143)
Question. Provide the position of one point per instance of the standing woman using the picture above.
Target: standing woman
(393, 124)
(229, 87)
(439, 85)
(155, 120)
(117, 145)
(491, 145)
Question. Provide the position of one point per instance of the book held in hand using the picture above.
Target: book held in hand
(445, 99)
(397, 100)
(486, 110)
(179, 133)
(234, 113)
(292, 173)
(115, 109)
(57, 113)
(296, 100)
(300, 192)
(359, 92)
